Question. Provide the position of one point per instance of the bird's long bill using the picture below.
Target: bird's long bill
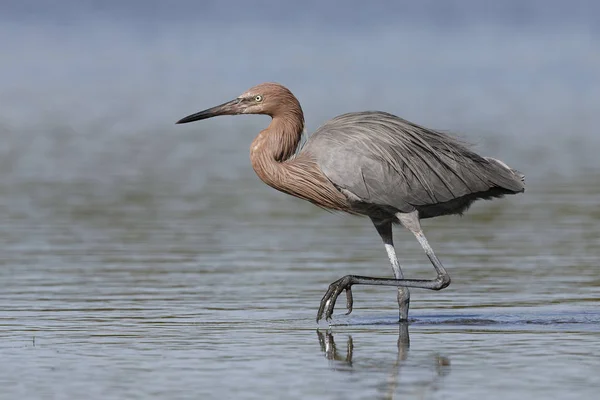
(230, 108)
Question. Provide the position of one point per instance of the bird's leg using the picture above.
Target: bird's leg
(384, 228)
(411, 222)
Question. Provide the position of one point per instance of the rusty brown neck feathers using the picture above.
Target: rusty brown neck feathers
(272, 156)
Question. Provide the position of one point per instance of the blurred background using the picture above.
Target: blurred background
(134, 251)
(90, 89)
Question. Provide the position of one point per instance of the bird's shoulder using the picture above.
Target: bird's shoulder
(378, 133)
(356, 123)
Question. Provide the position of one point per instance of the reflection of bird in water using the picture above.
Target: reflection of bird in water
(343, 361)
(373, 164)
(329, 347)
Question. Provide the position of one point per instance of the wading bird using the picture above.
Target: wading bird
(369, 163)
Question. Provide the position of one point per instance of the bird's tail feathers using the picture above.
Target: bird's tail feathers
(515, 172)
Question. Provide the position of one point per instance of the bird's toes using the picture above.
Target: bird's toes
(321, 310)
(328, 301)
(349, 300)
(331, 304)
(325, 302)
(329, 308)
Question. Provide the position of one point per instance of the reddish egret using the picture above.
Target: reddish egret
(369, 163)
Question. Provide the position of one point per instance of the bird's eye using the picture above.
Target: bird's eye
(258, 98)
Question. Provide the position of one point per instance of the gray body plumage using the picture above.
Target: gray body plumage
(370, 163)
(385, 165)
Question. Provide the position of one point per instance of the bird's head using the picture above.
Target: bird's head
(267, 98)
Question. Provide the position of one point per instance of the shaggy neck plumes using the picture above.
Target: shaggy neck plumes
(282, 136)
(271, 156)
(275, 145)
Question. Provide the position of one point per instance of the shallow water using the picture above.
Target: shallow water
(144, 297)
(144, 260)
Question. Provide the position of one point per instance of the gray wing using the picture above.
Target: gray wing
(385, 160)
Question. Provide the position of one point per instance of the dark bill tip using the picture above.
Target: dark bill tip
(194, 117)
(230, 108)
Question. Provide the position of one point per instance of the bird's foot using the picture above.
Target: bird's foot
(334, 290)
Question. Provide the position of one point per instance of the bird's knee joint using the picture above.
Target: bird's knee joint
(442, 282)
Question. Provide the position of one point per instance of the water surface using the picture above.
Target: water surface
(158, 297)
(145, 260)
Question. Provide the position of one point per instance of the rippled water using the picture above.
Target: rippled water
(140, 260)
(210, 296)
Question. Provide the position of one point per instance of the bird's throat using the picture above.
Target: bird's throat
(276, 144)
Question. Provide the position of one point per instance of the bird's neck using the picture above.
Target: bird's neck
(276, 144)
(299, 176)
(281, 138)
